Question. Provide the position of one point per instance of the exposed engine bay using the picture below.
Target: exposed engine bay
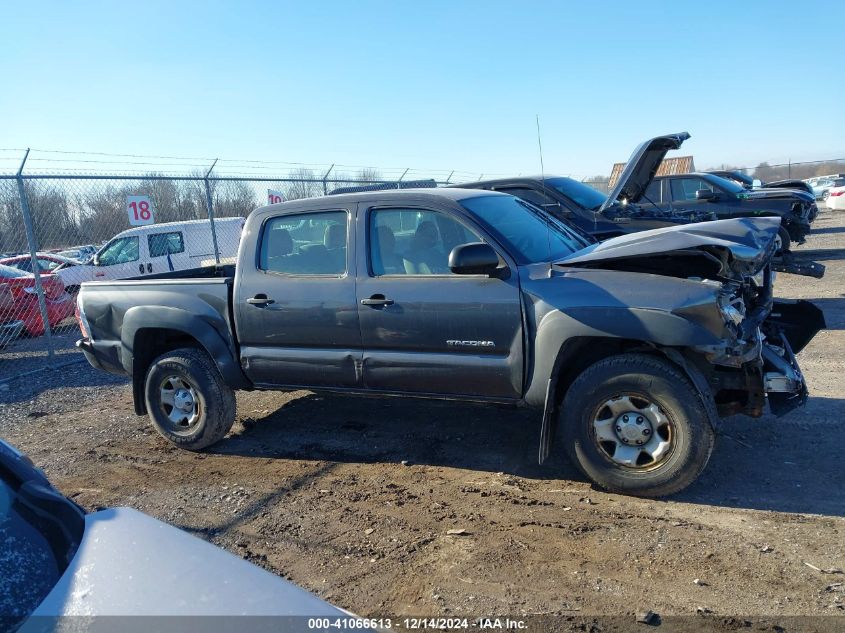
(754, 360)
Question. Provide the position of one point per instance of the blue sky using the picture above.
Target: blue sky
(446, 85)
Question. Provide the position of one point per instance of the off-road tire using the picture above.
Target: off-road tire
(666, 385)
(216, 411)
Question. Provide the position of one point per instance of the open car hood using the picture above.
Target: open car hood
(728, 247)
(641, 167)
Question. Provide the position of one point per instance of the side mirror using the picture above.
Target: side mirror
(705, 194)
(476, 258)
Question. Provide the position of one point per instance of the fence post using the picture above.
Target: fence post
(33, 250)
(210, 208)
(325, 189)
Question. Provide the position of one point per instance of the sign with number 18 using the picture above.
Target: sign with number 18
(140, 210)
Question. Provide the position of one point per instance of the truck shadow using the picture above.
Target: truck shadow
(789, 464)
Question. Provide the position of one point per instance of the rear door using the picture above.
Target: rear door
(424, 329)
(166, 252)
(296, 315)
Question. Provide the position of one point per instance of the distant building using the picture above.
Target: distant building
(669, 167)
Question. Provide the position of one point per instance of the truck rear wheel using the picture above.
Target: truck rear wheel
(188, 402)
(635, 424)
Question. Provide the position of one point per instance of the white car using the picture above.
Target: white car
(836, 198)
(823, 184)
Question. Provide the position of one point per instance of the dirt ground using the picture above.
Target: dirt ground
(354, 498)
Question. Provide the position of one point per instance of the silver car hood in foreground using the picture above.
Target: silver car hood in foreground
(131, 564)
(745, 240)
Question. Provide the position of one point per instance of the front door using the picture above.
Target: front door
(295, 308)
(120, 259)
(424, 329)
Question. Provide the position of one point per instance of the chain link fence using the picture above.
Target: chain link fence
(73, 226)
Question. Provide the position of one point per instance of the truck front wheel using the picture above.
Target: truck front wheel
(635, 424)
(188, 402)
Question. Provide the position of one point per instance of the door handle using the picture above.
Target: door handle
(149, 268)
(141, 268)
(260, 301)
(377, 301)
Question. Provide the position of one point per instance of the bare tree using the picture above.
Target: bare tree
(307, 185)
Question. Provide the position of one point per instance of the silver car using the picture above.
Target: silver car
(56, 561)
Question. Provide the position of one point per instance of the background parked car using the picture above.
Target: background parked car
(750, 183)
(70, 271)
(61, 561)
(823, 184)
(594, 213)
(10, 326)
(726, 199)
(24, 305)
(836, 197)
(82, 254)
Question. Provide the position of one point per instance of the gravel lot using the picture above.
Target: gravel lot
(353, 498)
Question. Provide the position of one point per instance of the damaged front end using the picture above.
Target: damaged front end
(756, 362)
(758, 335)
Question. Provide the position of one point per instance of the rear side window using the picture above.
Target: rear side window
(305, 244)
(163, 243)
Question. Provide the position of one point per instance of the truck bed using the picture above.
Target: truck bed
(186, 303)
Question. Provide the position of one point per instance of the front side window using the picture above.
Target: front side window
(120, 251)
(414, 241)
(684, 188)
(161, 244)
(305, 244)
(652, 192)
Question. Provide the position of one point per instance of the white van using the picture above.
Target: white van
(159, 248)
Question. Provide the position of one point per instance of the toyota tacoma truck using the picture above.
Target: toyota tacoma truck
(631, 350)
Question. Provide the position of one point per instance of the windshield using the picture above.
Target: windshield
(578, 192)
(526, 231)
(28, 568)
(10, 272)
(724, 183)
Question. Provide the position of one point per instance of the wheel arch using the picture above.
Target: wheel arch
(577, 354)
(149, 332)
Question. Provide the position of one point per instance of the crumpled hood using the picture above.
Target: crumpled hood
(748, 241)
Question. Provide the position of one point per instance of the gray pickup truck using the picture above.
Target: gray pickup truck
(634, 347)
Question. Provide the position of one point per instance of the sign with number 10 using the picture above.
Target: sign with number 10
(140, 210)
